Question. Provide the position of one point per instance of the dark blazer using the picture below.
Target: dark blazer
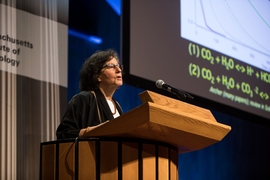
(82, 112)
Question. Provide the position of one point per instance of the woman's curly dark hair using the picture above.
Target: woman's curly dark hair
(92, 68)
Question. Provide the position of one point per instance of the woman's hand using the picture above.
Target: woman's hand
(89, 128)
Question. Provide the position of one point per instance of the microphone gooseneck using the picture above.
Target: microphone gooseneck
(161, 85)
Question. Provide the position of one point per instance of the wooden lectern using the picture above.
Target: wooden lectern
(142, 144)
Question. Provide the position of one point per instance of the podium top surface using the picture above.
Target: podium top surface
(164, 119)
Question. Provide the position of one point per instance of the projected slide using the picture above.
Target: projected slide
(221, 26)
(216, 50)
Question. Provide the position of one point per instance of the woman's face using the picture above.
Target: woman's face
(111, 75)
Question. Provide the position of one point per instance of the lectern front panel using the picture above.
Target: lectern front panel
(130, 163)
(108, 158)
(87, 159)
(48, 159)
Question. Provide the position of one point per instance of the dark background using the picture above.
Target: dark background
(242, 155)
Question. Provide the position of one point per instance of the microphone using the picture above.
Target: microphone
(161, 84)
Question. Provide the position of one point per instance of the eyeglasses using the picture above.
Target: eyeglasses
(111, 65)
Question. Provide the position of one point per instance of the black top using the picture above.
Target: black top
(82, 112)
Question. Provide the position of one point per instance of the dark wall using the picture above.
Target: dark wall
(242, 155)
(89, 17)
